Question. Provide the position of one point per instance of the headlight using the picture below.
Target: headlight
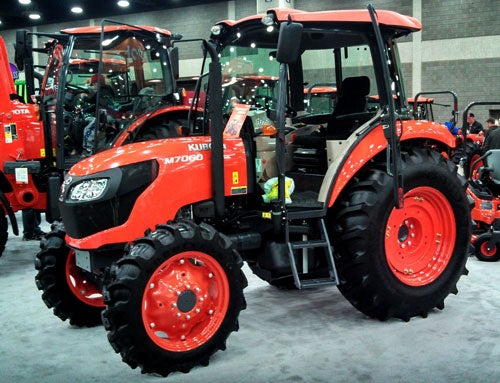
(88, 190)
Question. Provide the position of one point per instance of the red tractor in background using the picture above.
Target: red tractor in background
(469, 145)
(484, 190)
(22, 139)
(44, 137)
(154, 234)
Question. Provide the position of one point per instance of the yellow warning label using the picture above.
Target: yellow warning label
(42, 152)
(266, 214)
(235, 178)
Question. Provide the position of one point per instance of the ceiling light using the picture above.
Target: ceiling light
(24, 2)
(123, 3)
(35, 16)
(76, 9)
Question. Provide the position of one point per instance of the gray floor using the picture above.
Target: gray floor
(285, 336)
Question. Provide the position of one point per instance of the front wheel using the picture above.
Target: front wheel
(174, 298)
(483, 252)
(402, 262)
(65, 287)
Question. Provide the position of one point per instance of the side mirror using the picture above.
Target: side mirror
(289, 42)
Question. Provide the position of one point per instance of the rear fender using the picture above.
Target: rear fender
(367, 146)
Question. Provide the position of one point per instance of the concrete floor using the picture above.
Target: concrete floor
(285, 336)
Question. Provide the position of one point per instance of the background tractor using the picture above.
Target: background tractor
(57, 122)
(21, 124)
(362, 197)
(484, 189)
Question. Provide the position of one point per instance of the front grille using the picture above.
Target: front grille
(125, 185)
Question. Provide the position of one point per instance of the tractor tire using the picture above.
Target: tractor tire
(402, 262)
(63, 284)
(4, 230)
(481, 249)
(471, 153)
(174, 298)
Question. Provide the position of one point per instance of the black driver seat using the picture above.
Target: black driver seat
(349, 113)
(351, 100)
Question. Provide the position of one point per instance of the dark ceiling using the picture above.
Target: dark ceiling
(13, 15)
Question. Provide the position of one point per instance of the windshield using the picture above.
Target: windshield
(99, 98)
(250, 76)
(336, 73)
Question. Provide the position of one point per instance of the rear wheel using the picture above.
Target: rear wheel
(402, 262)
(174, 298)
(4, 233)
(65, 287)
(469, 156)
(481, 249)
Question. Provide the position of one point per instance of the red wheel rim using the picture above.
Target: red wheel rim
(488, 253)
(420, 237)
(185, 301)
(79, 286)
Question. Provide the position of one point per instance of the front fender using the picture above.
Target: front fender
(367, 146)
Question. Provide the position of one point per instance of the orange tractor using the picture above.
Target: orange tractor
(154, 234)
(484, 190)
(44, 137)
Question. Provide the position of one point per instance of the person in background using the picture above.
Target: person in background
(492, 136)
(97, 83)
(473, 126)
(31, 224)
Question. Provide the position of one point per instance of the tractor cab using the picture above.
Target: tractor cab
(97, 81)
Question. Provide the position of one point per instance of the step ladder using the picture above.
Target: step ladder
(302, 247)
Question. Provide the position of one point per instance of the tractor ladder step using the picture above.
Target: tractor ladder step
(300, 248)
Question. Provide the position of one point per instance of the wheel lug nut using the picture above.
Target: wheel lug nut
(178, 315)
(181, 261)
(210, 312)
(151, 285)
(152, 325)
(183, 337)
(210, 275)
(188, 317)
(174, 304)
(197, 310)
